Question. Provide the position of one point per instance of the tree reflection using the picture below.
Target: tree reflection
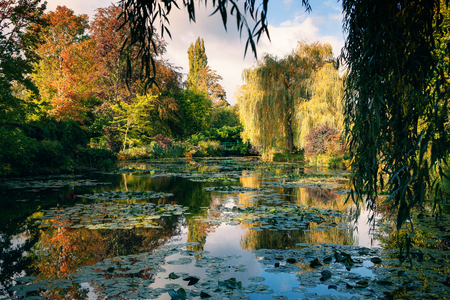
(288, 239)
(198, 230)
(16, 239)
(62, 250)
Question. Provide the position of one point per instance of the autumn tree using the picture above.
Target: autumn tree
(273, 91)
(108, 37)
(119, 89)
(325, 107)
(209, 82)
(66, 62)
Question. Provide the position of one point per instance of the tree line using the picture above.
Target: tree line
(65, 84)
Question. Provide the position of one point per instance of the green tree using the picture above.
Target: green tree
(396, 99)
(194, 109)
(202, 77)
(17, 57)
(197, 61)
(224, 116)
(274, 90)
(130, 116)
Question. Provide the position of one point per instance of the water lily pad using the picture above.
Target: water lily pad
(256, 279)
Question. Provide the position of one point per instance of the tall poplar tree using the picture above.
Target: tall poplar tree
(197, 61)
(273, 91)
(202, 77)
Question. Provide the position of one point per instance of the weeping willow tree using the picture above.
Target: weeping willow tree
(273, 92)
(397, 100)
(325, 106)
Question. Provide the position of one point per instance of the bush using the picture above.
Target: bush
(163, 141)
(23, 155)
(95, 158)
(51, 157)
(211, 148)
(154, 150)
(17, 153)
(320, 139)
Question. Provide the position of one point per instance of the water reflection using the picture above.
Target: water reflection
(209, 229)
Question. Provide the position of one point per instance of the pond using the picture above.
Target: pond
(228, 228)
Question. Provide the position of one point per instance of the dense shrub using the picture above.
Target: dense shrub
(154, 150)
(17, 151)
(48, 147)
(95, 158)
(223, 134)
(322, 139)
(23, 155)
(51, 157)
(163, 141)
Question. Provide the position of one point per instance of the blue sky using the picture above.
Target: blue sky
(288, 24)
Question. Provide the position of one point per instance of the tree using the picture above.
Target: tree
(130, 116)
(16, 57)
(224, 116)
(274, 90)
(108, 37)
(66, 63)
(396, 99)
(201, 76)
(113, 88)
(195, 108)
(197, 61)
(209, 82)
(325, 106)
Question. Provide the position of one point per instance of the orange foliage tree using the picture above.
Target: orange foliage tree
(64, 73)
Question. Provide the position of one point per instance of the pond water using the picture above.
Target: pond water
(210, 228)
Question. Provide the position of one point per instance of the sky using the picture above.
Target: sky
(288, 24)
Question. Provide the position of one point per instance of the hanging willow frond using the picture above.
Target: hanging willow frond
(146, 18)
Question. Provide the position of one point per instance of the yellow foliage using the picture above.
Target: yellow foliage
(283, 99)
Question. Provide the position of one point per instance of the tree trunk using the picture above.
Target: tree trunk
(289, 139)
(289, 131)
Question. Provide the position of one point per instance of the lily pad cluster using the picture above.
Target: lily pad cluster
(288, 217)
(332, 266)
(110, 215)
(126, 195)
(126, 277)
(306, 183)
(237, 189)
(37, 185)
